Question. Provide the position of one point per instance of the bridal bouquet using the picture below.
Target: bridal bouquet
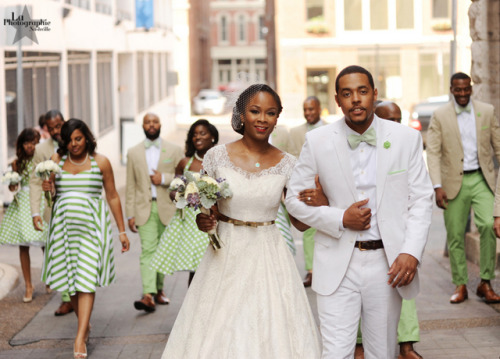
(200, 191)
(43, 170)
(12, 178)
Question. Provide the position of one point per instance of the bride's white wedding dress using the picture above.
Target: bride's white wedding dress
(247, 299)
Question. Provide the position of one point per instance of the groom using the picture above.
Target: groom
(371, 237)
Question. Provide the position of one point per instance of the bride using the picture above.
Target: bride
(247, 299)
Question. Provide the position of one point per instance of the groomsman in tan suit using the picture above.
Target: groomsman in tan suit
(150, 169)
(312, 112)
(462, 136)
(280, 138)
(43, 152)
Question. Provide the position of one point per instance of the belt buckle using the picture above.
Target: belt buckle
(359, 247)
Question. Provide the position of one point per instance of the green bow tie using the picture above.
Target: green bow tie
(460, 109)
(369, 137)
(148, 143)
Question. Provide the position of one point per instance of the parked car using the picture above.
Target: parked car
(423, 112)
(209, 102)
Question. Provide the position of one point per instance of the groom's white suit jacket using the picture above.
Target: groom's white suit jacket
(404, 198)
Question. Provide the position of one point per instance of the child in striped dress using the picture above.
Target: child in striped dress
(17, 227)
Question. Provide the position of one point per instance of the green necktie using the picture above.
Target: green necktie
(460, 109)
(148, 143)
(369, 137)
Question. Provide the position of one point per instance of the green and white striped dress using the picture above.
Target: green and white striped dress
(79, 252)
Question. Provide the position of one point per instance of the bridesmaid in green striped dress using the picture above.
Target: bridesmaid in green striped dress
(79, 252)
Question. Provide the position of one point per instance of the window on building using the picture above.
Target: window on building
(79, 86)
(242, 25)
(103, 6)
(315, 9)
(379, 15)
(223, 29)
(386, 72)
(153, 96)
(104, 91)
(262, 28)
(434, 74)
(141, 87)
(40, 90)
(353, 11)
(404, 14)
(84, 4)
(441, 9)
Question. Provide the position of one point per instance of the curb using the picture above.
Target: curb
(8, 279)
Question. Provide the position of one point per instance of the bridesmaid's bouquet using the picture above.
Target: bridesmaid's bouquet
(12, 178)
(201, 191)
(44, 170)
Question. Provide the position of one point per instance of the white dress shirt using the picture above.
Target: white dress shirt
(152, 159)
(363, 161)
(467, 126)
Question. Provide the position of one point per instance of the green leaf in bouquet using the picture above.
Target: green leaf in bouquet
(206, 202)
(181, 203)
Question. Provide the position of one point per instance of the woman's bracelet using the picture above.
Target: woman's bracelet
(122, 233)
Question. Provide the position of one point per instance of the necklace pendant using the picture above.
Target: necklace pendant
(257, 164)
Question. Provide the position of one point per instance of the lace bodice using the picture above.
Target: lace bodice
(256, 195)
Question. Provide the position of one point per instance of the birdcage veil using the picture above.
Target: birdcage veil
(245, 87)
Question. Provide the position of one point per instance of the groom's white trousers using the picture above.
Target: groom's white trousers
(363, 292)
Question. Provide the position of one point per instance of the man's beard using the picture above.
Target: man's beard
(152, 136)
(58, 139)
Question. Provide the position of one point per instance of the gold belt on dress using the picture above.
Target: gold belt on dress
(237, 222)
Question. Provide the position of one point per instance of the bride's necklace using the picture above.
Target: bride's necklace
(78, 163)
(197, 156)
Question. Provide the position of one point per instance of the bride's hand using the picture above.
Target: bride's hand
(314, 197)
(205, 222)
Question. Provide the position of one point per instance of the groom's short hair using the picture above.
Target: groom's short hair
(354, 69)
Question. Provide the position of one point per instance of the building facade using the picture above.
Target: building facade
(107, 62)
(404, 43)
(238, 41)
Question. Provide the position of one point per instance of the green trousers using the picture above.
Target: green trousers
(408, 329)
(474, 193)
(150, 233)
(308, 240)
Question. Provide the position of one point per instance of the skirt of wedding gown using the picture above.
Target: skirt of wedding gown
(247, 300)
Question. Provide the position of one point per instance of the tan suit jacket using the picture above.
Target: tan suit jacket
(138, 188)
(298, 137)
(281, 139)
(43, 152)
(445, 154)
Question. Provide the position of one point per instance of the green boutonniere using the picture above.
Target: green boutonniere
(163, 150)
(387, 144)
(479, 114)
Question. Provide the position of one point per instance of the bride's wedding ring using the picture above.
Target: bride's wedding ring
(407, 273)
(308, 198)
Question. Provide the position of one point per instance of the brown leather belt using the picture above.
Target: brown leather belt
(237, 222)
(368, 245)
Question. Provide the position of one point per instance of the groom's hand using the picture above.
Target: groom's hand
(403, 270)
(357, 218)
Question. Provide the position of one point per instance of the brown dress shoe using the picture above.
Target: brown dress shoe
(460, 294)
(406, 351)
(359, 352)
(485, 291)
(64, 308)
(146, 303)
(161, 298)
(308, 279)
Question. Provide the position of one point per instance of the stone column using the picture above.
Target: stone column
(484, 16)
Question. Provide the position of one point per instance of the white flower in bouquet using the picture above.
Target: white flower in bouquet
(209, 180)
(11, 178)
(177, 183)
(44, 170)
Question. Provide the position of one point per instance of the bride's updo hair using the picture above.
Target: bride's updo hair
(244, 99)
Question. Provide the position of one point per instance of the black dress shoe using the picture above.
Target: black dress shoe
(308, 280)
(146, 303)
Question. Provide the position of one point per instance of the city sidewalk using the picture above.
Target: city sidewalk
(467, 330)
